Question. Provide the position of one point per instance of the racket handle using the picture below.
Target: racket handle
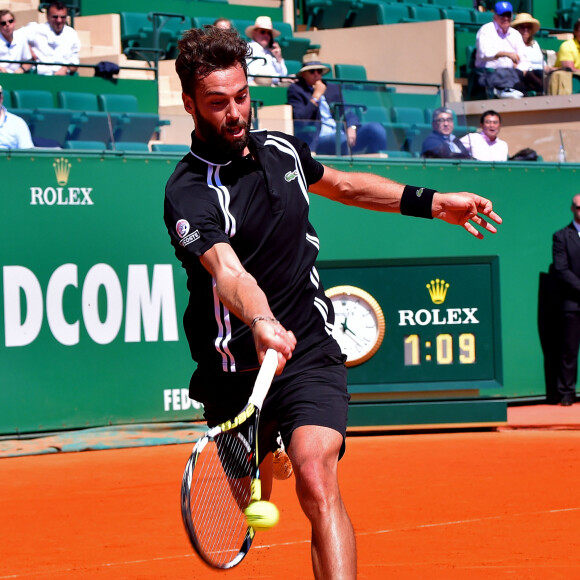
(264, 378)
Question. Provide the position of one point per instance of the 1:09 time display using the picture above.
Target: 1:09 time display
(441, 350)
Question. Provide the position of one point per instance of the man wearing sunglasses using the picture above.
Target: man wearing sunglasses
(313, 109)
(267, 62)
(56, 43)
(13, 45)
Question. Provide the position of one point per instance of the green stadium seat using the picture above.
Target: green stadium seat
(91, 145)
(324, 14)
(77, 101)
(481, 18)
(368, 98)
(396, 134)
(201, 21)
(89, 123)
(458, 15)
(7, 98)
(32, 99)
(50, 125)
(169, 148)
(138, 35)
(240, 24)
(368, 13)
(443, 3)
(137, 146)
(351, 72)
(424, 13)
(129, 125)
(122, 103)
(398, 154)
(136, 127)
(408, 116)
(294, 47)
(293, 66)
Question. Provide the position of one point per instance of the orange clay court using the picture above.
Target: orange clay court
(467, 505)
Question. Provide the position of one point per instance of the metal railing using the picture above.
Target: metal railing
(35, 63)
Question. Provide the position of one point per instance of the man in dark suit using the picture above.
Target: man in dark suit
(442, 143)
(566, 265)
(314, 104)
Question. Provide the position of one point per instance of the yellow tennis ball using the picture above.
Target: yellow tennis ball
(262, 515)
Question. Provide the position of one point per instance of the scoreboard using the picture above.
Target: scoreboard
(426, 328)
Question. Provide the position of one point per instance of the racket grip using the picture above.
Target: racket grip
(264, 378)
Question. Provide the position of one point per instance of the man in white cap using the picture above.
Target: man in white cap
(14, 132)
(314, 121)
(267, 60)
(500, 57)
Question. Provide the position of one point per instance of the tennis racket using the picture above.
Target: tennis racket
(222, 477)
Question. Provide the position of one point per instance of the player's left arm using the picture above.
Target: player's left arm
(370, 191)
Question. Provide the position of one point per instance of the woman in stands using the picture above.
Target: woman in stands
(528, 26)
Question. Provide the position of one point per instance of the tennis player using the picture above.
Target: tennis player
(236, 208)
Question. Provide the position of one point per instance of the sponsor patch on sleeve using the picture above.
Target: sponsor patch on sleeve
(189, 239)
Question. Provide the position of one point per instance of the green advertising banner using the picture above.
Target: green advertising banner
(91, 317)
(93, 296)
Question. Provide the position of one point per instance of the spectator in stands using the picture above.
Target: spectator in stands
(13, 45)
(528, 26)
(569, 51)
(485, 145)
(268, 60)
(55, 42)
(224, 23)
(14, 132)
(500, 55)
(441, 143)
(311, 99)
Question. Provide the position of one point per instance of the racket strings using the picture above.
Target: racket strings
(220, 491)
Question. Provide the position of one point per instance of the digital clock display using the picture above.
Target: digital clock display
(445, 350)
(442, 322)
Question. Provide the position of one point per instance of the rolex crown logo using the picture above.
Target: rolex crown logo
(438, 290)
(62, 168)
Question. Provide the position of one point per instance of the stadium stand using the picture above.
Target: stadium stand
(106, 35)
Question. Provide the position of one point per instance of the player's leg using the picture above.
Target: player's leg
(266, 476)
(314, 452)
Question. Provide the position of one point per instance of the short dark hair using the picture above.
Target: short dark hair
(4, 12)
(57, 5)
(489, 114)
(202, 51)
(577, 25)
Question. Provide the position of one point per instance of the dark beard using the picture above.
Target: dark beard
(217, 139)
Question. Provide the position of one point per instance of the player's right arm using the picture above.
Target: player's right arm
(238, 290)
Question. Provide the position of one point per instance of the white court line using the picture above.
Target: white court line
(300, 542)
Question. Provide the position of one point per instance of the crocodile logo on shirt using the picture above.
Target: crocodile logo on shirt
(291, 175)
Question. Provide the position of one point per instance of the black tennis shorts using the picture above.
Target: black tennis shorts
(312, 390)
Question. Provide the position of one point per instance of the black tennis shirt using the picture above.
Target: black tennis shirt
(259, 205)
